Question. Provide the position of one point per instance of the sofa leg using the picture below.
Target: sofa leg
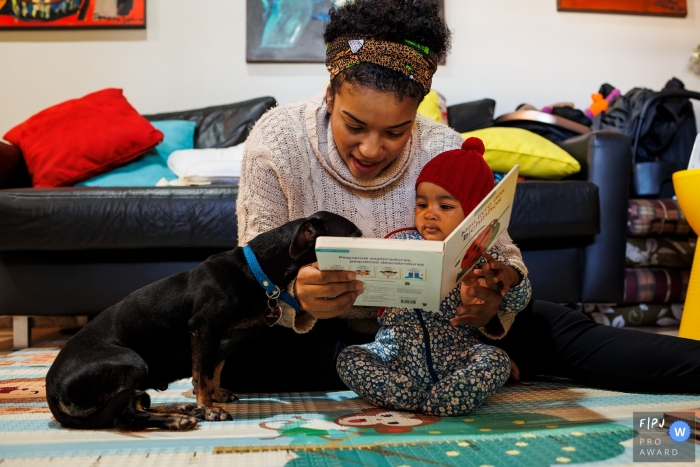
(21, 332)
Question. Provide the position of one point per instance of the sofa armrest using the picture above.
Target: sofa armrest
(469, 116)
(605, 158)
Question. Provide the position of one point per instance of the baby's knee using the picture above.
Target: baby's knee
(492, 359)
(349, 358)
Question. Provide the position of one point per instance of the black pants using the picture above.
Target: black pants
(545, 339)
(550, 339)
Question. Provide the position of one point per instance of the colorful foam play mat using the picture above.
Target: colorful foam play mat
(536, 424)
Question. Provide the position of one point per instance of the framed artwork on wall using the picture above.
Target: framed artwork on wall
(288, 31)
(632, 7)
(72, 14)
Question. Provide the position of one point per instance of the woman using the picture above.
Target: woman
(356, 149)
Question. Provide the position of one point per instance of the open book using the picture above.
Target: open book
(415, 273)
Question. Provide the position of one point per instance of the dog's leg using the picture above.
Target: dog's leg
(205, 346)
(138, 416)
(183, 409)
(220, 394)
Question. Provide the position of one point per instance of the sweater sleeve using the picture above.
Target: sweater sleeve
(261, 204)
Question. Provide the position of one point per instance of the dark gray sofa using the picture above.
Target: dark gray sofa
(76, 251)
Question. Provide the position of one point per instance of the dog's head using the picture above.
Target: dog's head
(319, 224)
(282, 251)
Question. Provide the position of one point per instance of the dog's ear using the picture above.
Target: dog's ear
(304, 240)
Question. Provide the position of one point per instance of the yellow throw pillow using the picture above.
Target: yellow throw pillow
(434, 107)
(537, 156)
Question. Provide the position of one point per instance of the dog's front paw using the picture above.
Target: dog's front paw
(215, 414)
(223, 396)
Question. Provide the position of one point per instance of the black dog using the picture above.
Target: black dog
(183, 325)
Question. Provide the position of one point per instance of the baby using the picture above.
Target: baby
(422, 360)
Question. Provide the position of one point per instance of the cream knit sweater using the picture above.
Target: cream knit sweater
(292, 168)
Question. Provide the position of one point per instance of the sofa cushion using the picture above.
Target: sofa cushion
(224, 125)
(148, 169)
(554, 210)
(81, 138)
(538, 157)
(470, 116)
(117, 218)
(433, 106)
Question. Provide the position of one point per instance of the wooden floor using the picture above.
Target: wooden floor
(38, 335)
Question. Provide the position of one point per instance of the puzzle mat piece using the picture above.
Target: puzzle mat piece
(307, 433)
(315, 433)
(35, 357)
(525, 450)
(186, 459)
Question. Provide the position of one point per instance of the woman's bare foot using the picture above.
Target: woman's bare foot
(514, 373)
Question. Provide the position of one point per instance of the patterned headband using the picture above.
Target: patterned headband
(412, 60)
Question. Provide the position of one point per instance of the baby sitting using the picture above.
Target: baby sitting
(424, 360)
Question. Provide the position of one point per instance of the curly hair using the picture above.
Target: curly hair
(391, 20)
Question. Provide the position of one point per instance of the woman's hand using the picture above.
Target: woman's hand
(507, 275)
(482, 292)
(314, 288)
(481, 298)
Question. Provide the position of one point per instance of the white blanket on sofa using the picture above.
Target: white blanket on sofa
(205, 166)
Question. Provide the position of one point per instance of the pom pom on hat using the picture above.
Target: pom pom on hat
(474, 144)
(463, 173)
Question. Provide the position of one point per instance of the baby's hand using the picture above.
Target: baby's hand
(469, 281)
(503, 275)
(480, 299)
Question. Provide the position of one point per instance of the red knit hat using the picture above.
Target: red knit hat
(463, 173)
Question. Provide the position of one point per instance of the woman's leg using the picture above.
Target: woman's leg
(280, 360)
(550, 339)
(467, 387)
(373, 380)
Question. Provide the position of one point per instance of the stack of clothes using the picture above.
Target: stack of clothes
(660, 248)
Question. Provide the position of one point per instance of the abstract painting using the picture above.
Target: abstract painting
(288, 30)
(72, 14)
(634, 7)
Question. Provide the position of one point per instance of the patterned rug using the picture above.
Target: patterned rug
(526, 425)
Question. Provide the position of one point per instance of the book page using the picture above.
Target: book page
(396, 273)
(476, 234)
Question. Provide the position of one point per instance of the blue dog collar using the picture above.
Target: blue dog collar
(271, 289)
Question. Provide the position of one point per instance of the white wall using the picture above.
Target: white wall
(514, 51)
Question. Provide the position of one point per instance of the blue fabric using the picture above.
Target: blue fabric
(146, 170)
(265, 282)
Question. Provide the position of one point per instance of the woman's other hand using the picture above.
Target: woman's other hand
(481, 297)
(507, 275)
(314, 289)
(481, 294)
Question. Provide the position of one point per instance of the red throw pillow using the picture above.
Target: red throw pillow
(9, 158)
(81, 138)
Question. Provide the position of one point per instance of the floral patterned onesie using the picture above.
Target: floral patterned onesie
(419, 361)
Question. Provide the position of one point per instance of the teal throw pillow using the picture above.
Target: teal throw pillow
(152, 166)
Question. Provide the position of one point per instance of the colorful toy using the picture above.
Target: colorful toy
(600, 103)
